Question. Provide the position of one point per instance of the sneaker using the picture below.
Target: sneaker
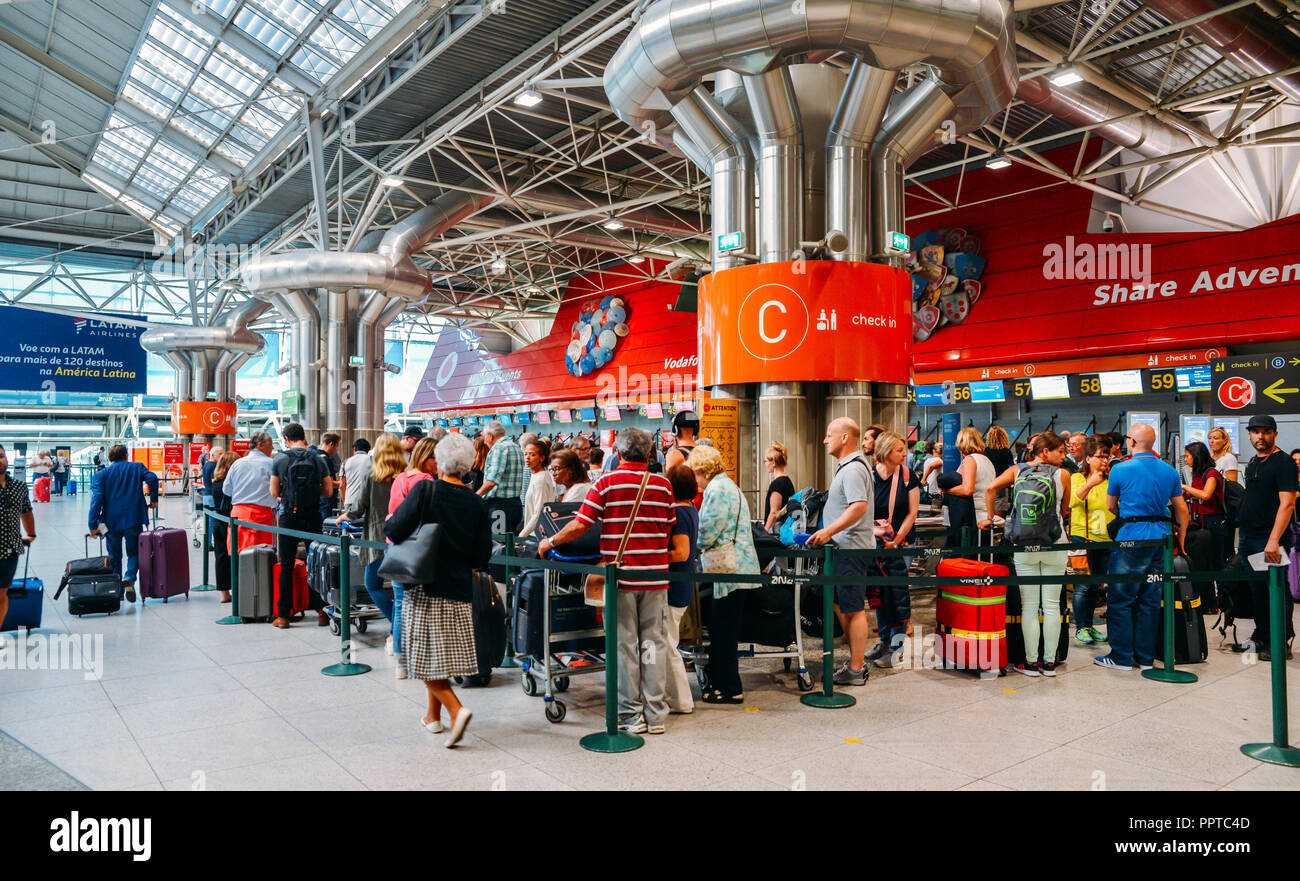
(846, 675)
(1083, 635)
(1105, 661)
(1146, 666)
(876, 651)
(634, 726)
(388, 646)
(1047, 668)
(655, 729)
(1097, 635)
(886, 660)
(1027, 668)
(400, 670)
(1266, 655)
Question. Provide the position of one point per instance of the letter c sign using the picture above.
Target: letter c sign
(1236, 392)
(772, 322)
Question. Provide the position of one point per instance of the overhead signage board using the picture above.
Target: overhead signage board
(988, 392)
(44, 351)
(1046, 388)
(730, 241)
(1246, 385)
(1121, 382)
(1194, 379)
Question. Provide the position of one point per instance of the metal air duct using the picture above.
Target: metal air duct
(910, 127)
(724, 149)
(1084, 104)
(858, 118)
(780, 163)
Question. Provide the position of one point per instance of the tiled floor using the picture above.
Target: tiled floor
(186, 704)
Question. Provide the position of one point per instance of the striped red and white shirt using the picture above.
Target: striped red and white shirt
(610, 500)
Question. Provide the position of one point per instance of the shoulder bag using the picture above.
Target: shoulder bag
(884, 526)
(594, 588)
(415, 560)
(723, 559)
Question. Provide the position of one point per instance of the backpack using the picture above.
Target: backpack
(301, 491)
(803, 513)
(1233, 494)
(1031, 519)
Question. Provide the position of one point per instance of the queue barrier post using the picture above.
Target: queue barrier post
(1168, 673)
(829, 699)
(611, 740)
(207, 548)
(508, 661)
(346, 665)
(1280, 751)
(233, 617)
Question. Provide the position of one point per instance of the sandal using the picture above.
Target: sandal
(714, 696)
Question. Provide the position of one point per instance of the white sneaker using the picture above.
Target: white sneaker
(399, 671)
(635, 726)
(388, 646)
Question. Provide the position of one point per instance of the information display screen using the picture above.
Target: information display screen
(1046, 388)
(1121, 382)
(930, 395)
(988, 392)
(1194, 379)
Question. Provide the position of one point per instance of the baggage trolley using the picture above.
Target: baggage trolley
(558, 664)
(362, 607)
(791, 655)
(196, 514)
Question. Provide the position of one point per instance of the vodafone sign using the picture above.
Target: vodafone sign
(814, 320)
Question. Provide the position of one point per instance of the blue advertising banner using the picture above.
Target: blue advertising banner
(41, 351)
(951, 455)
(65, 399)
(391, 407)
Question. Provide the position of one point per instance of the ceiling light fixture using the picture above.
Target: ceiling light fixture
(1066, 76)
(499, 266)
(998, 161)
(613, 223)
(636, 258)
(528, 98)
(390, 180)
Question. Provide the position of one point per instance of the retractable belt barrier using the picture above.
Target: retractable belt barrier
(1278, 751)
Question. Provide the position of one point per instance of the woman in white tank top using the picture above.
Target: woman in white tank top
(976, 471)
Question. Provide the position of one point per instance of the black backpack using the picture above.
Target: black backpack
(300, 494)
(1233, 494)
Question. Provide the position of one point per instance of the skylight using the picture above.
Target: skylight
(217, 106)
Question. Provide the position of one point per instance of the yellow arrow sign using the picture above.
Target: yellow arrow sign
(1295, 360)
(1275, 391)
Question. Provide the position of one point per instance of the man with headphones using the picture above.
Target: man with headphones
(685, 426)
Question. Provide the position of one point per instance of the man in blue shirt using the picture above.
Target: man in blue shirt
(117, 502)
(1141, 490)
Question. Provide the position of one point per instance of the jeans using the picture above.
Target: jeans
(895, 604)
(399, 597)
(221, 551)
(725, 620)
(375, 587)
(643, 655)
(1085, 597)
(131, 536)
(1259, 593)
(1041, 598)
(1134, 606)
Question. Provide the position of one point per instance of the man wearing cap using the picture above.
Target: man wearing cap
(503, 479)
(685, 426)
(1264, 521)
(1141, 491)
(410, 438)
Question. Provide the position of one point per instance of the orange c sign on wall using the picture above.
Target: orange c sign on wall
(203, 417)
(816, 320)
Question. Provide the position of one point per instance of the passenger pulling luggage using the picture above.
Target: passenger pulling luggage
(92, 585)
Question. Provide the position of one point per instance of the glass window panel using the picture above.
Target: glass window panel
(165, 89)
(194, 109)
(147, 100)
(334, 41)
(295, 15)
(194, 129)
(232, 77)
(315, 64)
(261, 29)
(234, 152)
(166, 64)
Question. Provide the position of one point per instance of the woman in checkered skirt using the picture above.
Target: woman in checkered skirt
(437, 617)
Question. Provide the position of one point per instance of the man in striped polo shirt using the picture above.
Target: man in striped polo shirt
(642, 598)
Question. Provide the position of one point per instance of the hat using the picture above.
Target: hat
(413, 431)
(1265, 422)
(686, 419)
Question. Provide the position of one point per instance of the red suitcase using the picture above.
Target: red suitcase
(971, 619)
(301, 592)
(164, 564)
(42, 488)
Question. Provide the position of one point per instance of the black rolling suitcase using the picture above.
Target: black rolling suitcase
(569, 612)
(93, 587)
(1016, 636)
(557, 515)
(1191, 646)
(489, 629)
(1201, 548)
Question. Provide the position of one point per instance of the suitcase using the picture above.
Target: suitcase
(26, 601)
(301, 592)
(72, 487)
(768, 617)
(94, 594)
(42, 488)
(1016, 637)
(1189, 628)
(489, 629)
(569, 612)
(971, 619)
(1200, 548)
(257, 583)
(323, 573)
(101, 564)
(164, 564)
(557, 515)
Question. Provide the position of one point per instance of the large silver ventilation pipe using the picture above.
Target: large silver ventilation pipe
(194, 352)
(724, 152)
(780, 163)
(677, 42)
(1244, 36)
(553, 198)
(245, 344)
(848, 156)
(911, 125)
(1084, 104)
(297, 306)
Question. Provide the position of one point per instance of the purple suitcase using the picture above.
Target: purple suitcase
(164, 564)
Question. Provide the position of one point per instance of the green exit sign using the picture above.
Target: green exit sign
(899, 242)
(730, 241)
(357, 361)
(290, 401)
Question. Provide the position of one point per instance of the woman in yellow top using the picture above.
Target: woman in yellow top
(1089, 517)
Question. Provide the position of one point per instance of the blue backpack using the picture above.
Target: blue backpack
(803, 514)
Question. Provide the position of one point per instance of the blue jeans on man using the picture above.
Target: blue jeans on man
(1133, 608)
(131, 536)
(1247, 547)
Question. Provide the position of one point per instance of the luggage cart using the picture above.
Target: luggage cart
(559, 663)
(790, 656)
(362, 607)
(196, 514)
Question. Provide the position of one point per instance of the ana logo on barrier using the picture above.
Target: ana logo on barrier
(773, 322)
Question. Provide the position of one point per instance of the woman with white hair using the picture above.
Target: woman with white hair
(437, 616)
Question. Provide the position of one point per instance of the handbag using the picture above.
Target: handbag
(691, 628)
(413, 561)
(884, 526)
(723, 559)
(593, 589)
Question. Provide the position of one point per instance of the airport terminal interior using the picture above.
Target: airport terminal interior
(649, 395)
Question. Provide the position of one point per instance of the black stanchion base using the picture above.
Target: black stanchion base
(1288, 756)
(346, 669)
(604, 742)
(835, 701)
